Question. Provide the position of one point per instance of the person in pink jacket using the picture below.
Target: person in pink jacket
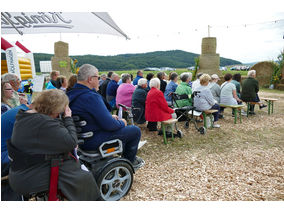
(125, 91)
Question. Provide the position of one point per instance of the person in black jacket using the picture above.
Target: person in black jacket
(249, 91)
(138, 101)
(103, 86)
(40, 132)
(163, 84)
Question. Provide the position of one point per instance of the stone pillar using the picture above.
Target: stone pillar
(209, 61)
(61, 60)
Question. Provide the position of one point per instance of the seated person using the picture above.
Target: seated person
(149, 76)
(125, 91)
(228, 95)
(52, 84)
(89, 106)
(61, 83)
(163, 83)
(214, 87)
(103, 87)
(171, 87)
(15, 82)
(139, 100)
(204, 100)
(40, 132)
(7, 124)
(184, 89)
(249, 92)
(112, 90)
(237, 81)
(139, 76)
(6, 94)
(71, 82)
(156, 106)
(196, 83)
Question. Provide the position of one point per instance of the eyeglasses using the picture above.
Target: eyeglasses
(8, 89)
(95, 76)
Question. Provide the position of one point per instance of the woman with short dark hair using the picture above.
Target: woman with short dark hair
(237, 81)
(171, 87)
(228, 95)
(163, 83)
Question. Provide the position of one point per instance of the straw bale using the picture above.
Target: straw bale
(209, 45)
(61, 49)
(264, 72)
(209, 63)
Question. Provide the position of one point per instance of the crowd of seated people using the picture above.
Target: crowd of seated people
(89, 96)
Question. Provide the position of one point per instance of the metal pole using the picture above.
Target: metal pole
(208, 30)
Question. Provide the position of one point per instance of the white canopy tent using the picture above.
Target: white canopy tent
(59, 22)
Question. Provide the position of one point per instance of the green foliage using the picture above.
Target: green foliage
(277, 68)
(172, 58)
(196, 66)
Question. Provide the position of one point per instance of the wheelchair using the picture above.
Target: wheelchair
(112, 172)
(189, 112)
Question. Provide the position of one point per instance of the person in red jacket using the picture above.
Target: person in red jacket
(156, 106)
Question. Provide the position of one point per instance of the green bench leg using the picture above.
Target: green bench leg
(204, 120)
(269, 102)
(248, 106)
(164, 133)
(235, 115)
(240, 114)
(272, 103)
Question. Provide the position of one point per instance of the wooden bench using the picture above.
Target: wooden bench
(235, 108)
(270, 104)
(208, 113)
(168, 123)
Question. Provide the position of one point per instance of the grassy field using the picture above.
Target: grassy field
(236, 162)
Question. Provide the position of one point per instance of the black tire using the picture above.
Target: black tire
(110, 181)
(202, 130)
(186, 125)
(179, 134)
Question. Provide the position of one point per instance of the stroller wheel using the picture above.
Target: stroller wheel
(202, 130)
(179, 134)
(186, 125)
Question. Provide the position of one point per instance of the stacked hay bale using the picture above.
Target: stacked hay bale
(264, 72)
(61, 60)
(209, 61)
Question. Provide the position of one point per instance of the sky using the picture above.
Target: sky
(168, 25)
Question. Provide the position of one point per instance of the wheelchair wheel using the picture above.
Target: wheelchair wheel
(179, 134)
(202, 130)
(115, 181)
(186, 125)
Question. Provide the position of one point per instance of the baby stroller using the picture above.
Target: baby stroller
(188, 112)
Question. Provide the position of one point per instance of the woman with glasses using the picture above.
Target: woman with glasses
(6, 94)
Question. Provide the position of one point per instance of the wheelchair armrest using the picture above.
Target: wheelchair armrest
(125, 107)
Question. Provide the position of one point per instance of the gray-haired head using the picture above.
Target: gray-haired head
(85, 71)
(103, 75)
(114, 75)
(155, 82)
(185, 76)
(125, 77)
(9, 77)
(142, 81)
(251, 73)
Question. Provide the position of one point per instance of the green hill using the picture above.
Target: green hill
(172, 58)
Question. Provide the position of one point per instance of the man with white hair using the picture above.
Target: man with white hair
(89, 106)
(249, 91)
(102, 78)
(15, 82)
(138, 101)
(215, 88)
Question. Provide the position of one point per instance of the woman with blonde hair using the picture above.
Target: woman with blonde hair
(44, 131)
(204, 99)
(6, 94)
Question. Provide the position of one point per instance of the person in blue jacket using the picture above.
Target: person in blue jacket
(86, 103)
(112, 89)
(7, 123)
(139, 76)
